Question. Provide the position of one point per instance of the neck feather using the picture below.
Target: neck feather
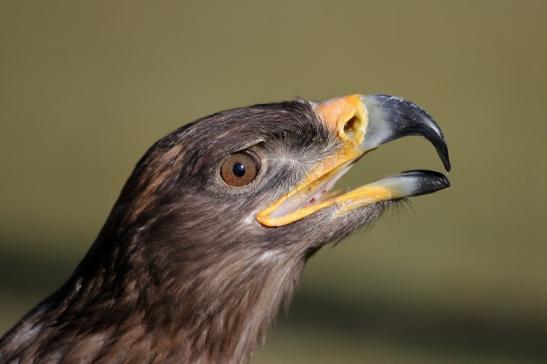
(202, 314)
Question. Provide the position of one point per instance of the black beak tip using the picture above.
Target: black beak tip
(444, 158)
(426, 181)
(444, 180)
(438, 179)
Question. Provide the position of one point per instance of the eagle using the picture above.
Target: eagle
(213, 228)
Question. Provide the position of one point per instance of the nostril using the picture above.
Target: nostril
(351, 126)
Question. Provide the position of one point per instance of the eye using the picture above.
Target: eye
(240, 168)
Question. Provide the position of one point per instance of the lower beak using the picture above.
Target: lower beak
(361, 123)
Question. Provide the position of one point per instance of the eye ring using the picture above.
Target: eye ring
(240, 168)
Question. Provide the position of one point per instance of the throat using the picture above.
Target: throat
(238, 315)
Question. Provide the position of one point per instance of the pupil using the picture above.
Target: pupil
(239, 170)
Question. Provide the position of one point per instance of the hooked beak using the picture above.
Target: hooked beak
(361, 123)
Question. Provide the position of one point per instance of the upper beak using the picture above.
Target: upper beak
(391, 118)
(362, 123)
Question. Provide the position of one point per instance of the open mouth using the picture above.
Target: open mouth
(362, 123)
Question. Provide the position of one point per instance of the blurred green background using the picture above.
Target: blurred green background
(461, 277)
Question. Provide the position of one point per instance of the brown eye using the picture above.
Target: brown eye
(240, 168)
